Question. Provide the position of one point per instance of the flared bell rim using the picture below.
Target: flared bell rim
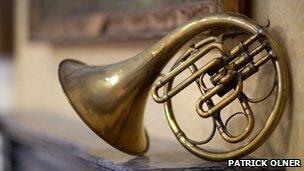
(63, 70)
(61, 76)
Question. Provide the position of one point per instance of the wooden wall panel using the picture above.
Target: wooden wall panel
(6, 26)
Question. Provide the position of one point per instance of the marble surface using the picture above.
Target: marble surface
(73, 139)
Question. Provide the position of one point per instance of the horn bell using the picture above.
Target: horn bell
(108, 101)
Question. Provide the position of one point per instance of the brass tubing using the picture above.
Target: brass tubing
(184, 83)
(245, 58)
(239, 62)
(262, 135)
(164, 79)
(209, 103)
(218, 121)
(242, 46)
(252, 68)
(250, 123)
(245, 72)
(258, 49)
(197, 46)
(263, 60)
(222, 103)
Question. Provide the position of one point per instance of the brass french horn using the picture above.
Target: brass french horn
(111, 99)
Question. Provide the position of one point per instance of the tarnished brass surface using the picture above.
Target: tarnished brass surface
(111, 99)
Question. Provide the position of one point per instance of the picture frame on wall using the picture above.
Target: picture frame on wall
(85, 21)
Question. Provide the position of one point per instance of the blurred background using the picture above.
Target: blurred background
(6, 52)
(35, 35)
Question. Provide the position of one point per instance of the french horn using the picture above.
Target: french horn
(111, 99)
